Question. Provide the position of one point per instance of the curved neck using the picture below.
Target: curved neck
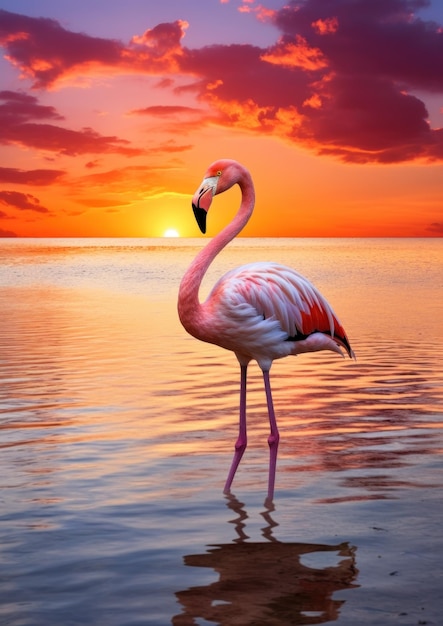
(188, 302)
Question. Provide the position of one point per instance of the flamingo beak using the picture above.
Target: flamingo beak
(202, 201)
(200, 216)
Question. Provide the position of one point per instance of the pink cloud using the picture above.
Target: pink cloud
(262, 13)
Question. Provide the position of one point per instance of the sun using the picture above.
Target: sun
(171, 232)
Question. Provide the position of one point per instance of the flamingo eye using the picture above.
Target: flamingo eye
(219, 172)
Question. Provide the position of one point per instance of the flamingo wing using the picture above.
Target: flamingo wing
(279, 293)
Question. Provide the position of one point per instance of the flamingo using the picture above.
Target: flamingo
(261, 311)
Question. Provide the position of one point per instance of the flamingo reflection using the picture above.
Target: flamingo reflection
(266, 582)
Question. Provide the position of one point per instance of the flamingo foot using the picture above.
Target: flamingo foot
(242, 441)
(240, 447)
(273, 438)
(273, 441)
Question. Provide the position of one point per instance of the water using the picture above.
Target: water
(117, 431)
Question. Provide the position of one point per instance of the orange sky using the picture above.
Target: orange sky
(109, 118)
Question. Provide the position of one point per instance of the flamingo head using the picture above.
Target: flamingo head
(219, 177)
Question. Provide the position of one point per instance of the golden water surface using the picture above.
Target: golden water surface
(117, 431)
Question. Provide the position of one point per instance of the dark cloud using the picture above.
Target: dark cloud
(66, 141)
(44, 50)
(343, 78)
(92, 164)
(37, 177)
(370, 120)
(166, 111)
(22, 201)
(340, 80)
(376, 38)
(17, 106)
(239, 73)
(377, 54)
(7, 233)
(436, 227)
(20, 116)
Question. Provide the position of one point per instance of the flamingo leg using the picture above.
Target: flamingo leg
(241, 443)
(273, 438)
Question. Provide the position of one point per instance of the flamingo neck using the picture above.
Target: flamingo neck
(189, 307)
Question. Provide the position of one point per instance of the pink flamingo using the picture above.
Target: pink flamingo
(261, 311)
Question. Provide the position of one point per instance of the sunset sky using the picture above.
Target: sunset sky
(111, 111)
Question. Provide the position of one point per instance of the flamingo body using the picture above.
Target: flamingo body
(265, 311)
(261, 311)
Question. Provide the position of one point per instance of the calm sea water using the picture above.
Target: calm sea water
(117, 431)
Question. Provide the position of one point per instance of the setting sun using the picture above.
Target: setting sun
(171, 232)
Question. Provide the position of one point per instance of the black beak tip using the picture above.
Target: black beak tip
(200, 216)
